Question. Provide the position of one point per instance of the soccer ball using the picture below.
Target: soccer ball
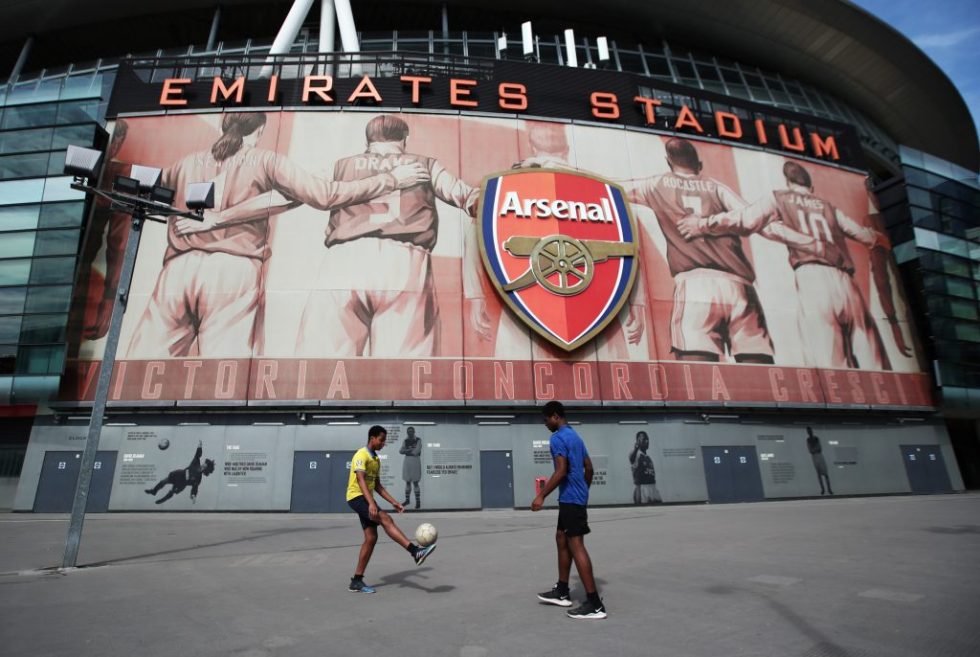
(426, 534)
(164, 443)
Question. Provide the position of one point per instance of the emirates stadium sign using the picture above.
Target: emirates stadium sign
(560, 248)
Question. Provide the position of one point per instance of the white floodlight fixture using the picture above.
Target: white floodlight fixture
(200, 196)
(82, 162)
(502, 43)
(527, 39)
(571, 57)
(148, 177)
(603, 44)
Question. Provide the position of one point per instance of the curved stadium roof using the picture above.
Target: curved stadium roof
(833, 44)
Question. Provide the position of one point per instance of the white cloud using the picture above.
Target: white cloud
(945, 39)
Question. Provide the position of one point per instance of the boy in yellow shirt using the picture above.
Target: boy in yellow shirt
(364, 481)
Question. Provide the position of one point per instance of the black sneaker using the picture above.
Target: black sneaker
(423, 552)
(588, 610)
(358, 586)
(556, 597)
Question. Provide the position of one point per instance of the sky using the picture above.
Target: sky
(946, 30)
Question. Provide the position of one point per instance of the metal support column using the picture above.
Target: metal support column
(101, 395)
(21, 60)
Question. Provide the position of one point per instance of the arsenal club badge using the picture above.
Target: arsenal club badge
(560, 247)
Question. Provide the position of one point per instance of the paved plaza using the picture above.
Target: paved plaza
(890, 576)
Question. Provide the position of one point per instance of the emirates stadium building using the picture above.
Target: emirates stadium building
(739, 241)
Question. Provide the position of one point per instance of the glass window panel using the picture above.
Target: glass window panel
(23, 141)
(919, 197)
(963, 309)
(40, 360)
(414, 45)
(13, 192)
(79, 135)
(39, 329)
(8, 358)
(630, 61)
(14, 272)
(35, 388)
(55, 242)
(59, 189)
(88, 85)
(6, 382)
(17, 245)
(29, 165)
(29, 116)
(12, 300)
(959, 287)
(481, 48)
(78, 112)
(685, 72)
(52, 270)
(658, 67)
(953, 245)
(56, 164)
(48, 299)
(968, 331)
(61, 215)
(10, 328)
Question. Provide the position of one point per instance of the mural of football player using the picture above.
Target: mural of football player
(412, 466)
(209, 296)
(834, 317)
(644, 476)
(180, 479)
(819, 463)
(716, 309)
(375, 294)
(550, 150)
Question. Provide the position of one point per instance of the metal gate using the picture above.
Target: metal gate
(732, 474)
(59, 477)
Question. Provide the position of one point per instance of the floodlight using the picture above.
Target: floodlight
(126, 185)
(603, 45)
(571, 58)
(162, 194)
(200, 196)
(148, 177)
(527, 38)
(82, 162)
(502, 43)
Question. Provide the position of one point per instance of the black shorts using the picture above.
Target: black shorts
(360, 507)
(573, 519)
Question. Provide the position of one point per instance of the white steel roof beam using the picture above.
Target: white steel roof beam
(287, 33)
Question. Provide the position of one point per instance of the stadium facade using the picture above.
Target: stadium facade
(740, 242)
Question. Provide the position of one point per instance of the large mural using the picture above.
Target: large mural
(343, 263)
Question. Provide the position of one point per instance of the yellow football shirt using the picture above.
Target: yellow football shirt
(370, 465)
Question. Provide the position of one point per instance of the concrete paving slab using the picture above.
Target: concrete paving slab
(774, 578)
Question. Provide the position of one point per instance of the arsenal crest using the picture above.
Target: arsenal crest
(560, 247)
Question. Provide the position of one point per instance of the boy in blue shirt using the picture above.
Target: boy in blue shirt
(572, 478)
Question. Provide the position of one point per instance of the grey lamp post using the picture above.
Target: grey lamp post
(141, 196)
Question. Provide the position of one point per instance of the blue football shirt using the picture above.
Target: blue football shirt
(572, 489)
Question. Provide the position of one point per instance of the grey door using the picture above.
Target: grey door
(59, 477)
(926, 469)
(340, 474)
(311, 482)
(496, 480)
(746, 475)
(732, 473)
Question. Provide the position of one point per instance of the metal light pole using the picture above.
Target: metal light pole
(141, 205)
